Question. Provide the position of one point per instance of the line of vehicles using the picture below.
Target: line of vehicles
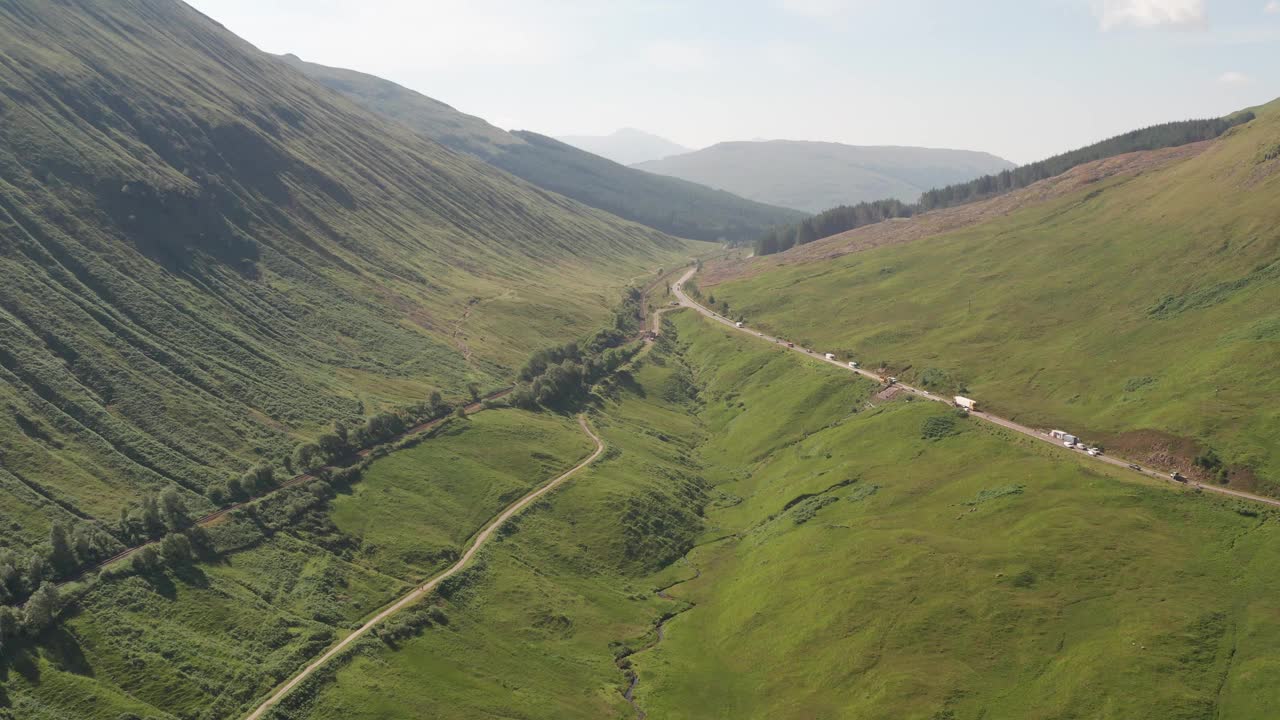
(1071, 441)
(971, 405)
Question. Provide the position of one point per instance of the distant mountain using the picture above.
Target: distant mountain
(815, 176)
(627, 146)
(672, 205)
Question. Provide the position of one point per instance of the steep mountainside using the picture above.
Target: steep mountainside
(1136, 307)
(668, 204)
(627, 146)
(207, 256)
(436, 120)
(815, 176)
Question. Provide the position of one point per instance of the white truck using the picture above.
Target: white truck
(964, 402)
(853, 364)
(829, 356)
(1068, 440)
(738, 324)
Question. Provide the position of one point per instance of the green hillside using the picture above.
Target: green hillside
(684, 209)
(1138, 311)
(817, 176)
(206, 640)
(207, 257)
(844, 564)
(849, 217)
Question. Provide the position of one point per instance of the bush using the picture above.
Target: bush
(176, 550)
(146, 560)
(938, 427)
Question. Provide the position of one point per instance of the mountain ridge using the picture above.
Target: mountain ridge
(813, 176)
(668, 204)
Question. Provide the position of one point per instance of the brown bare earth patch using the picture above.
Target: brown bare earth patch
(888, 393)
(937, 222)
(1160, 449)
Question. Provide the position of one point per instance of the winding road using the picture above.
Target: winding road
(426, 588)
(686, 301)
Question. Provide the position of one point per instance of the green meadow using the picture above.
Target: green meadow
(206, 640)
(1139, 312)
(835, 558)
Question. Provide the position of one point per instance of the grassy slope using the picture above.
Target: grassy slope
(1086, 594)
(669, 204)
(531, 635)
(205, 642)
(1144, 303)
(208, 256)
(817, 176)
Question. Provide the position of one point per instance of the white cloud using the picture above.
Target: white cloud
(1153, 13)
(791, 56)
(673, 56)
(1233, 78)
(817, 8)
(1272, 8)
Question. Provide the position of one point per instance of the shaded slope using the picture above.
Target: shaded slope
(815, 176)
(436, 120)
(1136, 309)
(206, 254)
(674, 206)
(669, 204)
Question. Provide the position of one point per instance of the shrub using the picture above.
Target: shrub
(938, 427)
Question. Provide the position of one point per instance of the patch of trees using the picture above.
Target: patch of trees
(561, 375)
(170, 537)
(19, 624)
(155, 516)
(845, 218)
(410, 624)
(831, 222)
(29, 596)
(1151, 138)
(628, 317)
(70, 549)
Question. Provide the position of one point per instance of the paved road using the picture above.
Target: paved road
(422, 590)
(685, 300)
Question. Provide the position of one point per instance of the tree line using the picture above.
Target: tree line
(163, 525)
(557, 376)
(29, 595)
(831, 222)
(845, 218)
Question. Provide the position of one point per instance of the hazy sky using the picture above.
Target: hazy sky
(1020, 78)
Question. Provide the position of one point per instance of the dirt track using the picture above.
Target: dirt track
(422, 590)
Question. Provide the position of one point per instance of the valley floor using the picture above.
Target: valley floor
(845, 558)
(805, 549)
